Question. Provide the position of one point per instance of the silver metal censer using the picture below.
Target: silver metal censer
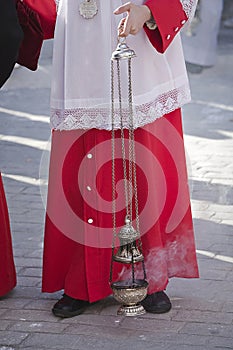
(132, 291)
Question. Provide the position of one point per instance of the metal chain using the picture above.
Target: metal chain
(133, 158)
(130, 106)
(122, 139)
(131, 143)
(130, 186)
(113, 171)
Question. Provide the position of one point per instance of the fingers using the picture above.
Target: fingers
(125, 28)
(121, 26)
(134, 20)
(126, 25)
(124, 8)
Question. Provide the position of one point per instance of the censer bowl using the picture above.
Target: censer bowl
(130, 295)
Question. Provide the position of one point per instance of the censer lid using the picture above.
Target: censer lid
(127, 232)
(122, 51)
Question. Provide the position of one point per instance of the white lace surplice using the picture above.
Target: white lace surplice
(80, 95)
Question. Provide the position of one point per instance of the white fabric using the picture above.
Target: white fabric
(80, 95)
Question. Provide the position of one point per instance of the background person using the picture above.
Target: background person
(11, 36)
(200, 41)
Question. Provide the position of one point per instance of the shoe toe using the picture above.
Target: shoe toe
(157, 303)
(69, 307)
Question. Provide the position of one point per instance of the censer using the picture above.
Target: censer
(132, 291)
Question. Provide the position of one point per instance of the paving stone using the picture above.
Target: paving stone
(28, 281)
(11, 338)
(96, 320)
(208, 329)
(39, 304)
(32, 216)
(28, 293)
(99, 331)
(29, 253)
(29, 315)
(29, 262)
(37, 327)
(211, 228)
(225, 249)
(186, 289)
(154, 325)
(25, 204)
(229, 276)
(195, 304)
(2, 311)
(204, 316)
(214, 264)
(223, 342)
(30, 271)
(38, 253)
(191, 347)
(81, 342)
(174, 338)
(214, 275)
(203, 244)
(4, 325)
(28, 228)
(11, 303)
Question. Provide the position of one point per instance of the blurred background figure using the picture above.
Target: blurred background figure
(200, 37)
(11, 36)
(227, 15)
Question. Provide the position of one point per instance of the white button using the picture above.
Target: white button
(168, 37)
(89, 156)
(183, 22)
(176, 29)
(90, 221)
(88, 188)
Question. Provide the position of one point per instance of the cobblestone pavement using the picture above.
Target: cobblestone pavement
(202, 313)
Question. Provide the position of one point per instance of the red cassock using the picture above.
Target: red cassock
(78, 229)
(7, 267)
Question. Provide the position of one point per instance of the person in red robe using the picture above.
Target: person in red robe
(78, 228)
(11, 36)
(7, 267)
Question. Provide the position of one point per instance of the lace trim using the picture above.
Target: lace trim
(57, 3)
(189, 7)
(87, 118)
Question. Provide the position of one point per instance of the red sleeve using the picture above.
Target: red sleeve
(169, 17)
(46, 10)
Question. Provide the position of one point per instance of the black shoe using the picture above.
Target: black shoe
(69, 307)
(157, 303)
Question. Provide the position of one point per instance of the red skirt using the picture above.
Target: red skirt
(7, 267)
(78, 228)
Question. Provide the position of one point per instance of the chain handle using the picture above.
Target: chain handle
(132, 185)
